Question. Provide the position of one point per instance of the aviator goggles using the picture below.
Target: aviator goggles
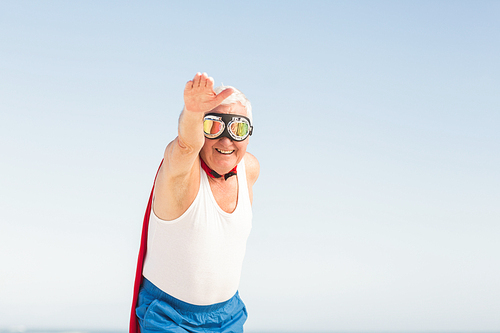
(232, 126)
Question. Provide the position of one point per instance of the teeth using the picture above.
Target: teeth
(227, 152)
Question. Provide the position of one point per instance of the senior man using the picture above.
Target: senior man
(198, 218)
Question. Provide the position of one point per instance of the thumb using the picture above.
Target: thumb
(223, 95)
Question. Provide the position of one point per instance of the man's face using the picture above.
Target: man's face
(223, 154)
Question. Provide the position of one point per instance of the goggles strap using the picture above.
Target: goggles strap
(214, 174)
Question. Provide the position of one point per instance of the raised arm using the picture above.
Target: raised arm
(199, 97)
(178, 180)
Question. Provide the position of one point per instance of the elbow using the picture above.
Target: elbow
(183, 147)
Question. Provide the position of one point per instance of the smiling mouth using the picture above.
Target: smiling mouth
(224, 152)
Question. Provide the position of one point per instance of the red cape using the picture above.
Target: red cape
(134, 324)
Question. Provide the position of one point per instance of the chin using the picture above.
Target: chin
(225, 161)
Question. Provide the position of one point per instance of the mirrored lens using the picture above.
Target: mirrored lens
(213, 127)
(239, 129)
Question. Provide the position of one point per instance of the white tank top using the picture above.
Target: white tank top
(197, 257)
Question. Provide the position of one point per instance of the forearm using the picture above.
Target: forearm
(190, 130)
(199, 97)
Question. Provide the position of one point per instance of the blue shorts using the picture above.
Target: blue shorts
(157, 311)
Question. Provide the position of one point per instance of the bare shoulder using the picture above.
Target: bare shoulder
(252, 168)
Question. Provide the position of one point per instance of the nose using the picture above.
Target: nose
(225, 141)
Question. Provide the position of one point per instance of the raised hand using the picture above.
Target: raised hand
(199, 95)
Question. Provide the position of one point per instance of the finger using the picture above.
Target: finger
(196, 80)
(223, 95)
(203, 80)
(210, 83)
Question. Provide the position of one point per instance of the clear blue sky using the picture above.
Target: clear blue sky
(376, 126)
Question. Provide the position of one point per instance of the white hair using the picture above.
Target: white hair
(235, 97)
